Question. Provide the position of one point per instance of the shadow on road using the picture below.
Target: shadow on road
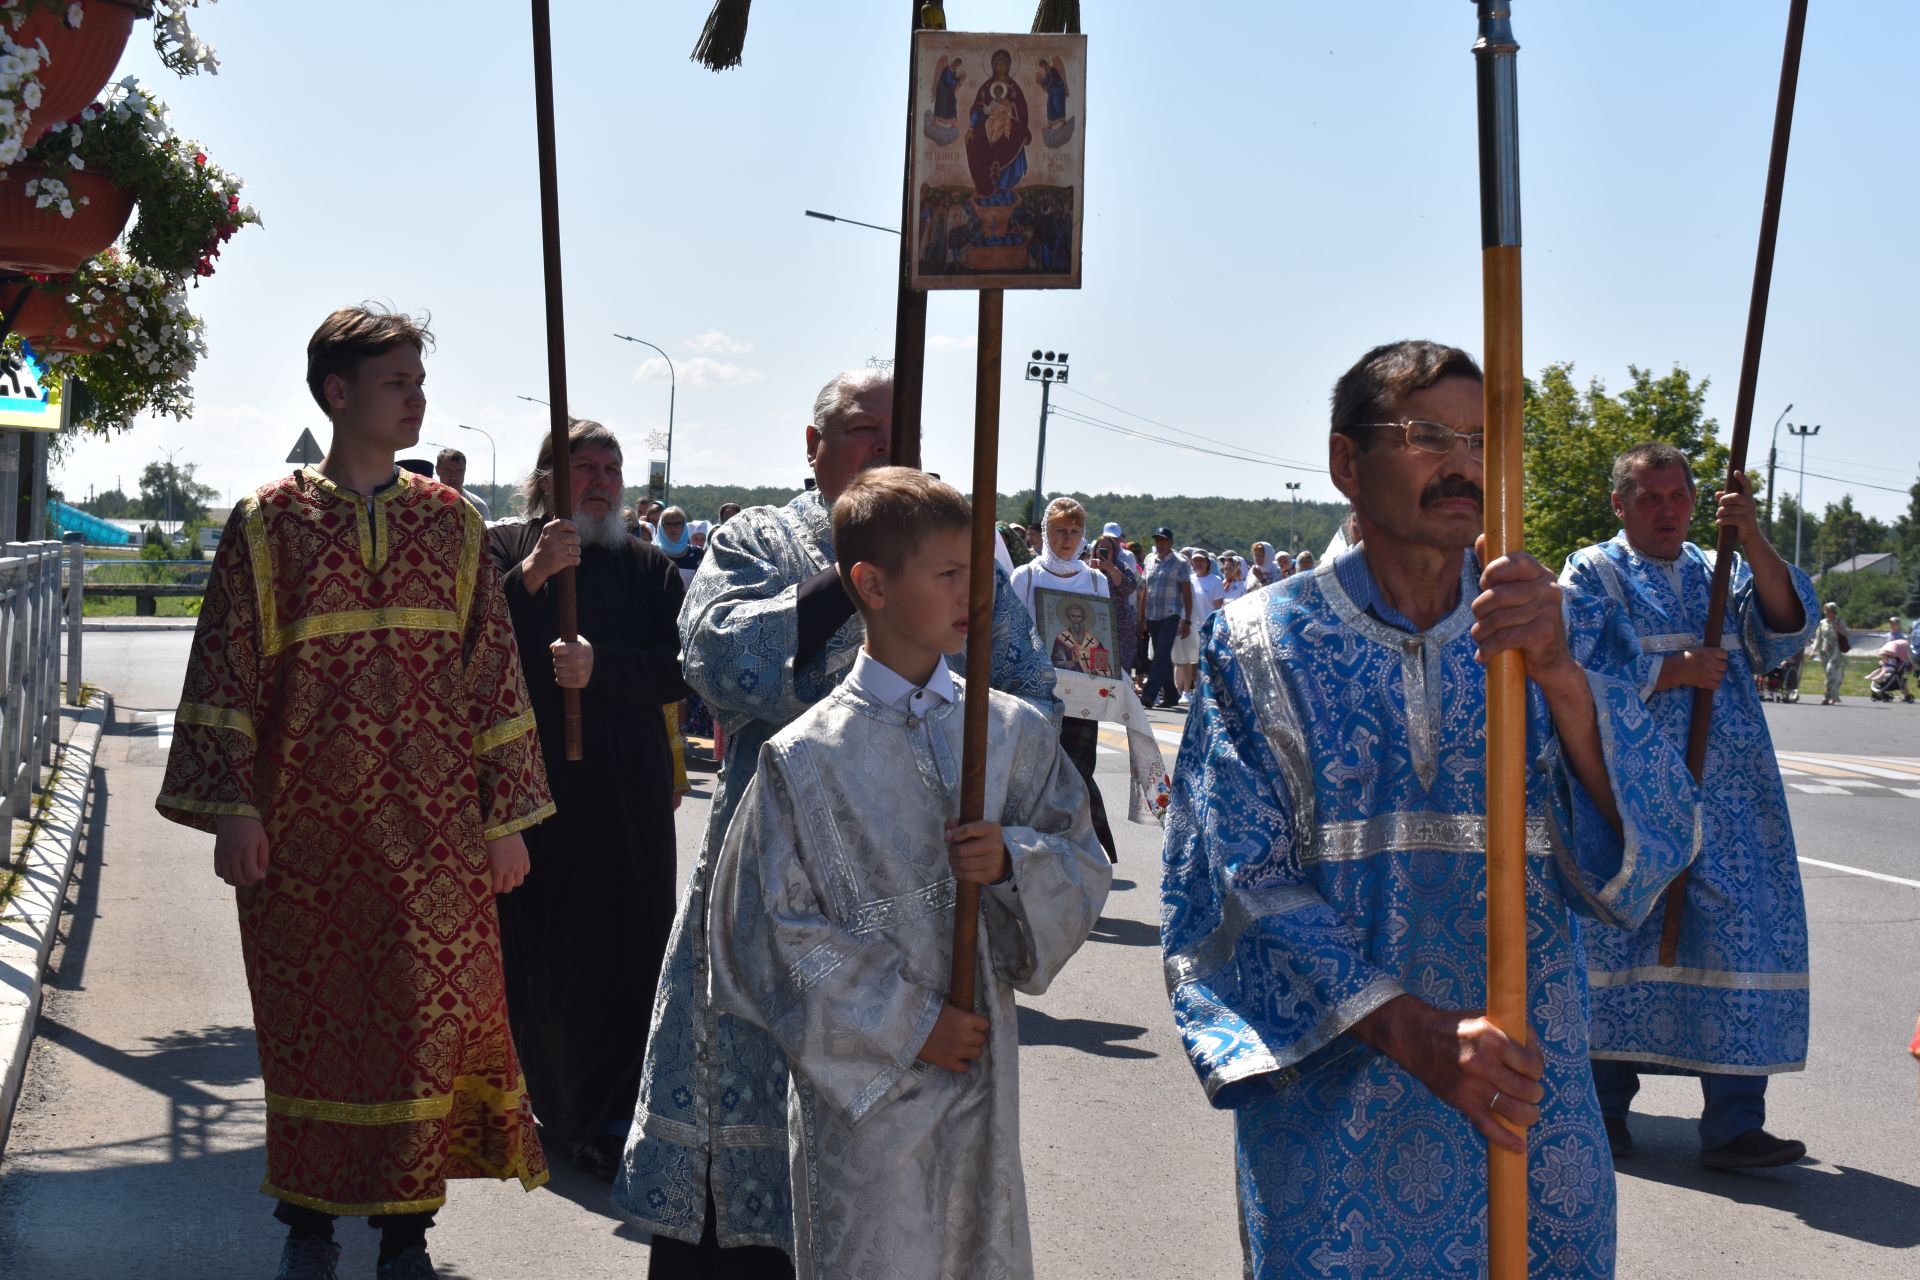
(590, 1193)
(1836, 1199)
(1125, 933)
(1085, 1034)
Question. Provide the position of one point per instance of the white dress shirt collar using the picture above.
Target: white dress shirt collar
(889, 688)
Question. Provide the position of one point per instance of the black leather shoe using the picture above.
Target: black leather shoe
(1754, 1149)
(1619, 1137)
(600, 1156)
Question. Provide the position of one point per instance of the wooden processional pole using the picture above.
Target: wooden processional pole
(1729, 541)
(562, 485)
(1495, 55)
(973, 760)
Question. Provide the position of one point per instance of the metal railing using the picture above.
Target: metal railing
(30, 614)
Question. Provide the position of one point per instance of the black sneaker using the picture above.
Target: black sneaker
(1619, 1137)
(412, 1264)
(600, 1156)
(1754, 1149)
(309, 1258)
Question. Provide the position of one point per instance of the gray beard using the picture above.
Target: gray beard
(608, 529)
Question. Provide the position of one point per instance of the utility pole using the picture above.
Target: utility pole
(1046, 368)
(1800, 515)
(172, 481)
(1773, 451)
(1293, 534)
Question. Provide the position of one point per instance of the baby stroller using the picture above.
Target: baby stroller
(1890, 677)
(1782, 684)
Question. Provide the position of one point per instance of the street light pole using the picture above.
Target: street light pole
(1293, 490)
(493, 448)
(1046, 368)
(1800, 513)
(673, 392)
(1772, 451)
(172, 480)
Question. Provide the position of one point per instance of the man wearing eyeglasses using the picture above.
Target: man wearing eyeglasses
(1731, 1006)
(1324, 912)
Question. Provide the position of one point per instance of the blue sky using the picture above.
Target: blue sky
(1271, 189)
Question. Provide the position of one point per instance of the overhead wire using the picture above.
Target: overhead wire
(1074, 415)
(1168, 426)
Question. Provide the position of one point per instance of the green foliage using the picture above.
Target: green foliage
(110, 505)
(1866, 600)
(1785, 513)
(1217, 524)
(1911, 605)
(169, 492)
(1573, 435)
(1845, 533)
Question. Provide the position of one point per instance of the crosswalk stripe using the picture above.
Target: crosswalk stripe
(1819, 769)
(1871, 770)
(1879, 767)
(1857, 871)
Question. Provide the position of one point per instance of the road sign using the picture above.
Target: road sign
(307, 451)
(23, 397)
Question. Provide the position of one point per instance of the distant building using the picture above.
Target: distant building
(1881, 562)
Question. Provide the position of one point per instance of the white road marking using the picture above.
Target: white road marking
(1819, 789)
(1856, 871)
(1873, 771)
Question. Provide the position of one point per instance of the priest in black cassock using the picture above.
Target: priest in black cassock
(584, 936)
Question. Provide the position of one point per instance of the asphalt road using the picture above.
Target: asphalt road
(137, 1147)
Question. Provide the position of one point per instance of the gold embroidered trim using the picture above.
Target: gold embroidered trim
(369, 1113)
(503, 733)
(261, 553)
(215, 718)
(473, 533)
(185, 805)
(538, 816)
(408, 1111)
(340, 1210)
(333, 624)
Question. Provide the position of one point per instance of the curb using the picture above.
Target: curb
(184, 624)
(33, 916)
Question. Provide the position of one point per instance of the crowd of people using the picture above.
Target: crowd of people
(451, 832)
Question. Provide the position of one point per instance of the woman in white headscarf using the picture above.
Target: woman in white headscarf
(1263, 572)
(1060, 568)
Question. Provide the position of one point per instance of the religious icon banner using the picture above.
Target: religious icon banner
(1077, 630)
(999, 160)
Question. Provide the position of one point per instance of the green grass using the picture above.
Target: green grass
(123, 607)
(1813, 677)
(134, 569)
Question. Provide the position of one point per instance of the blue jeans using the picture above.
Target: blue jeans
(1163, 632)
(1733, 1104)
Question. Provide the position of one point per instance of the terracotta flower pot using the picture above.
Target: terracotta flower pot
(40, 240)
(44, 318)
(80, 60)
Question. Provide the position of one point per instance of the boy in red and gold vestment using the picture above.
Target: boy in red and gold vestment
(355, 730)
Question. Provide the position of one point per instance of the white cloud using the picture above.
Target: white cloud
(715, 343)
(701, 371)
(947, 342)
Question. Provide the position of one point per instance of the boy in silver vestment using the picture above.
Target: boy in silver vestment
(831, 918)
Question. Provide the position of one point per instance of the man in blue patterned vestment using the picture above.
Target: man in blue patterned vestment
(766, 632)
(1732, 1008)
(1325, 870)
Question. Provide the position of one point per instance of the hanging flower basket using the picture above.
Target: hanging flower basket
(80, 59)
(51, 225)
(150, 343)
(65, 314)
